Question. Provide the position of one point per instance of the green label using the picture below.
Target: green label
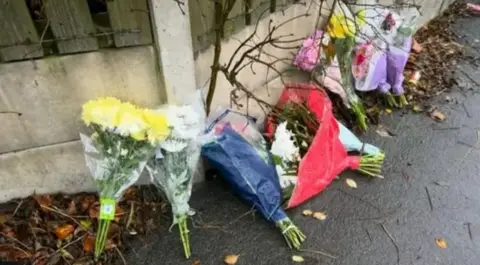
(107, 208)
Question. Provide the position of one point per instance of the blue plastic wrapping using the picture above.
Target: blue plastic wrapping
(252, 177)
(352, 143)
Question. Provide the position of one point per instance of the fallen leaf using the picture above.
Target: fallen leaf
(87, 201)
(66, 254)
(119, 212)
(437, 115)
(86, 224)
(43, 200)
(296, 258)
(417, 108)
(384, 131)
(72, 208)
(307, 212)
(320, 216)
(441, 243)
(388, 111)
(231, 259)
(442, 183)
(351, 183)
(88, 243)
(63, 231)
(110, 244)
(94, 210)
(196, 262)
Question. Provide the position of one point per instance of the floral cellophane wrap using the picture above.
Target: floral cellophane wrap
(177, 158)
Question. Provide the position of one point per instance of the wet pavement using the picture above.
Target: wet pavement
(431, 189)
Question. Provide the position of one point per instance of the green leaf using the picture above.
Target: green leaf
(298, 259)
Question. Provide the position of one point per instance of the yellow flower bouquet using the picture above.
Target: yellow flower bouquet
(342, 28)
(124, 138)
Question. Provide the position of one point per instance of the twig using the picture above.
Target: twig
(180, 4)
(121, 256)
(11, 112)
(369, 236)
(130, 215)
(393, 241)
(466, 110)
(17, 248)
(16, 240)
(240, 217)
(429, 199)
(473, 147)
(319, 252)
(65, 215)
(18, 207)
(470, 230)
(69, 244)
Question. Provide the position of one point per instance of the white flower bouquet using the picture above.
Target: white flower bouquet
(176, 159)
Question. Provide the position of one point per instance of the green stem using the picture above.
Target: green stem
(292, 234)
(184, 235)
(391, 100)
(101, 238)
(371, 165)
(403, 101)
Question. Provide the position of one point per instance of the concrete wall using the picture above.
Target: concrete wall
(40, 152)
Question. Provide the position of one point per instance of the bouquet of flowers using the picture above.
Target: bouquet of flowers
(124, 138)
(240, 153)
(370, 68)
(397, 57)
(173, 167)
(303, 131)
(317, 55)
(342, 29)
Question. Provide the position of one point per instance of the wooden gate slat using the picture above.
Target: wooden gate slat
(257, 8)
(72, 25)
(131, 20)
(236, 18)
(202, 16)
(19, 39)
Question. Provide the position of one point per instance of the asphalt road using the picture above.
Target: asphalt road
(431, 189)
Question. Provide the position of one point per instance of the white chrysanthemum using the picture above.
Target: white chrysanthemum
(174, 145)
(283, 145)
(184, 120)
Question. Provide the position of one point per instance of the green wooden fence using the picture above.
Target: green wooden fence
(37, 28)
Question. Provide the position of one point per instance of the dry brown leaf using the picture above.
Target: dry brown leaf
(87, 201)
(307, 212)
(231, 259)
(441, 243)
(320, 216)
(351, 183)
(437, 115)
(94, 210)
(63, 231)
(196, 262)
(72, 208)
(88, 243)
(43, 200)
(296, 258)
(417, 108)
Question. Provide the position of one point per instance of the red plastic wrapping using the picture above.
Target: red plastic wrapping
(326, 156)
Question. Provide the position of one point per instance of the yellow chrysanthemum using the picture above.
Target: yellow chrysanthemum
(131, 122)
(339, 27)
(103, 111)
(158, 126)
